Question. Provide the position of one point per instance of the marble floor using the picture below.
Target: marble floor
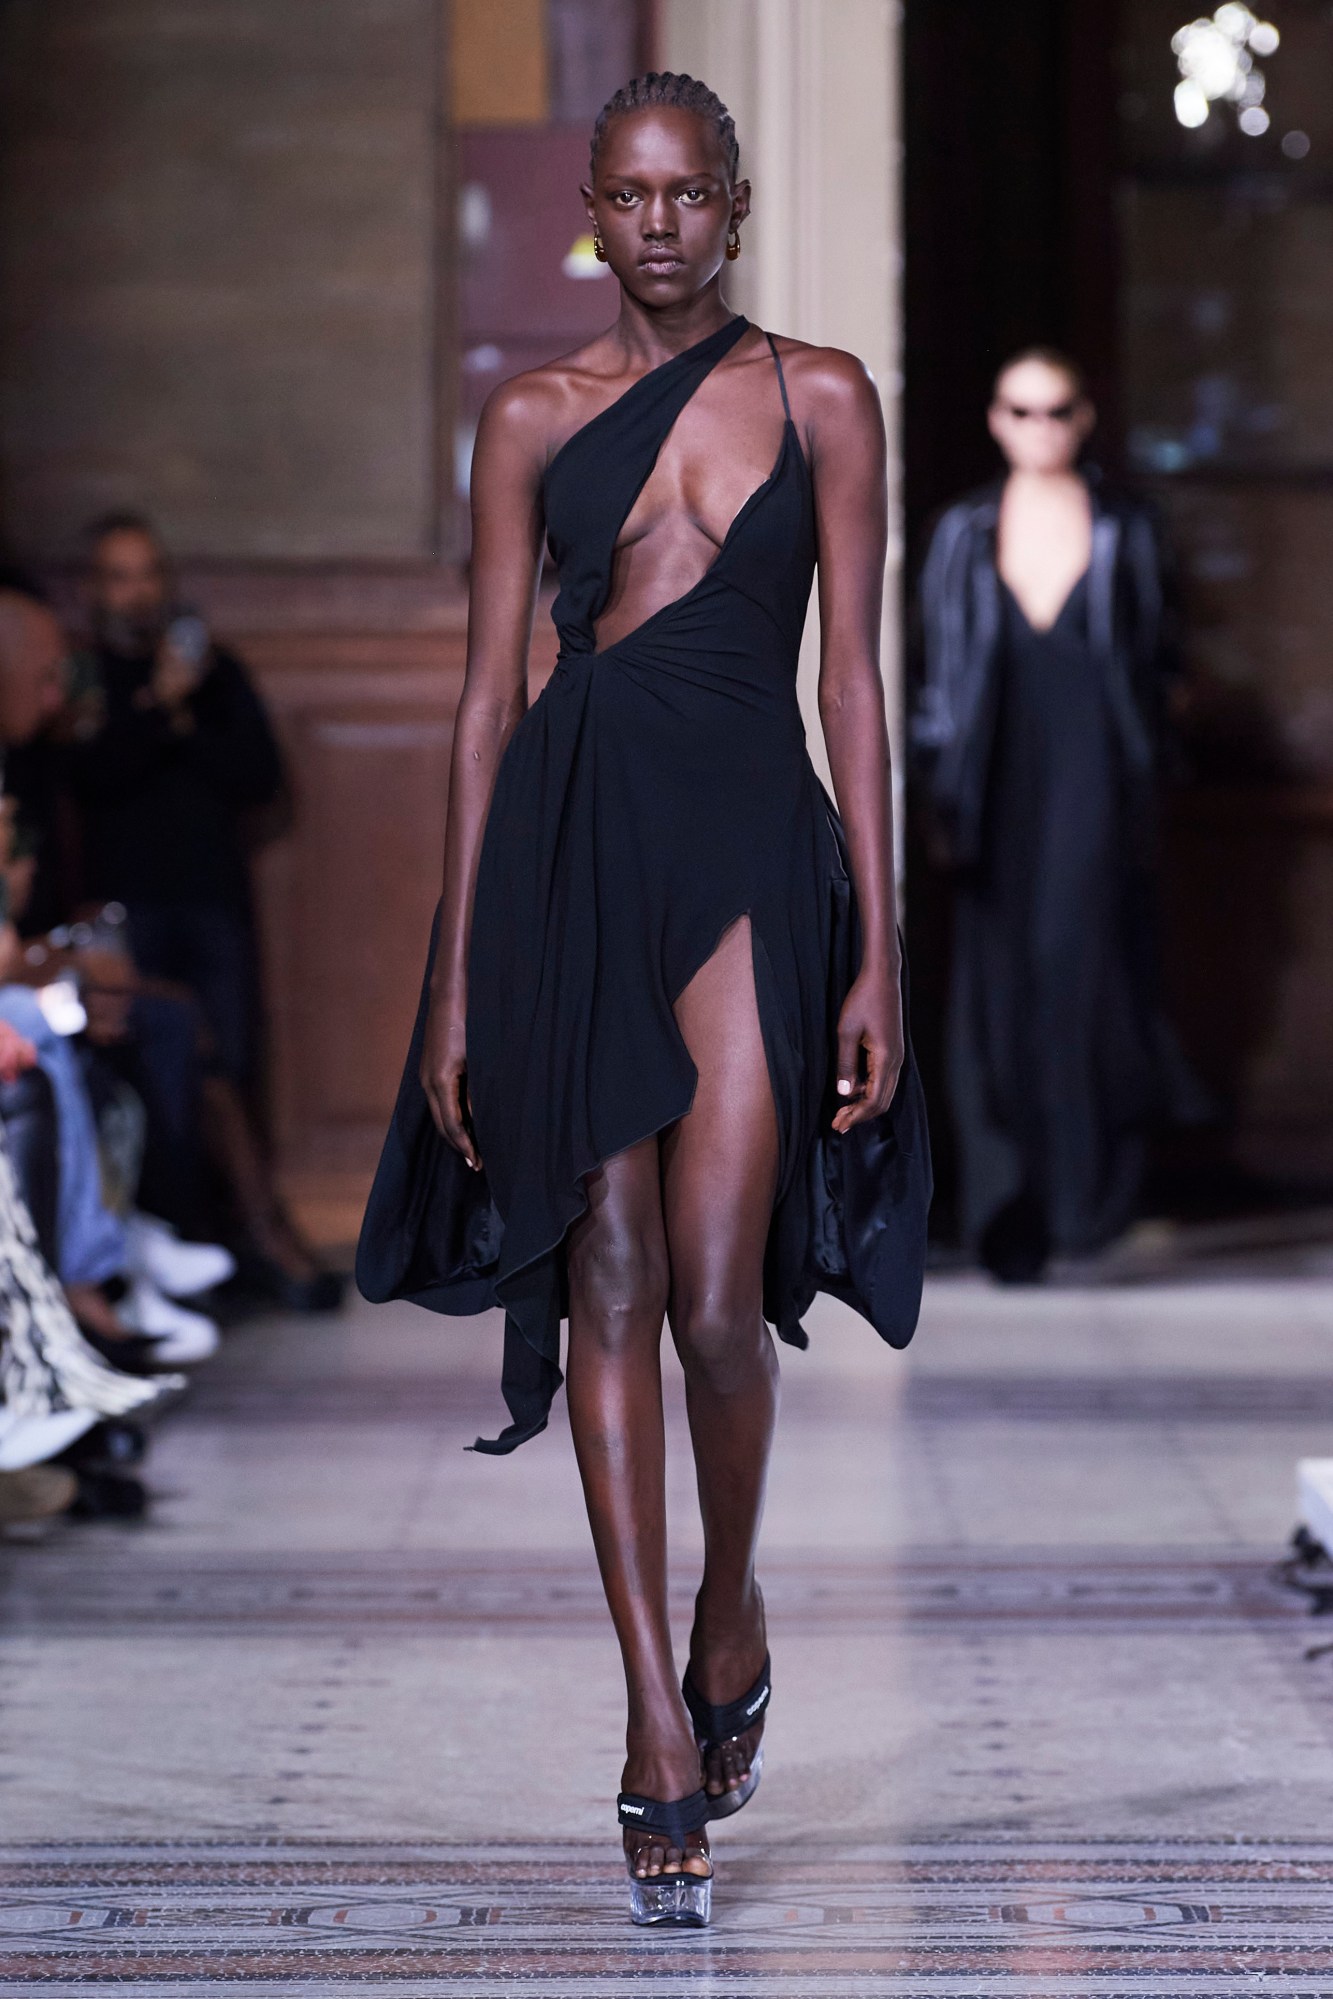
(344, 1712)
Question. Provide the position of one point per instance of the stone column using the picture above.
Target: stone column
(813, 87)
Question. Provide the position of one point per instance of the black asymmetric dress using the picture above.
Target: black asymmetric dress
(655, 792)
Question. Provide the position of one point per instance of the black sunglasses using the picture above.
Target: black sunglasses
(1060, 413)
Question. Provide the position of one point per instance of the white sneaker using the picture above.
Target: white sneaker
(181, 1269)
(176, 1334)
(31, 1440)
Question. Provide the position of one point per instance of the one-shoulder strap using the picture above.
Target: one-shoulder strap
(782, 379)
(596, 476)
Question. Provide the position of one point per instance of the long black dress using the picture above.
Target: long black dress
(1054, 1071)
(656, 791)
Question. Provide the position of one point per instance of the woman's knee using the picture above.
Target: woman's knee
(618, 1285)
(722, 1339)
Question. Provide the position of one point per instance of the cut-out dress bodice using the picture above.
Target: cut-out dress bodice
(658, 789)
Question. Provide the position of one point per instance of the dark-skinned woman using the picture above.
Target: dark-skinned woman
(1049, 664)
(662, 1039)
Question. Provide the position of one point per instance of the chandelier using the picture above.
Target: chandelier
(1216, 60)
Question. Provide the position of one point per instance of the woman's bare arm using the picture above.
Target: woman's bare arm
(849, 463)
(506, 564)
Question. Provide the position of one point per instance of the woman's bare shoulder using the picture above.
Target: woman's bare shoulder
(826, 382)
(535, 411)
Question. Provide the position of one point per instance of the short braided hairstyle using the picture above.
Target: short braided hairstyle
(677, 93)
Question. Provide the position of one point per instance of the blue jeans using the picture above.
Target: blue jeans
(90, 1239)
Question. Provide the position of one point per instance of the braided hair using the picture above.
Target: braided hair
(666, 89)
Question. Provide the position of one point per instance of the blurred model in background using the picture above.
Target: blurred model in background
(1049, 659)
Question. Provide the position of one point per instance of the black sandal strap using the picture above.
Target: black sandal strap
(674, 1820)
(720, 1724)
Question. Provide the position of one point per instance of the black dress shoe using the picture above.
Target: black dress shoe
(323, 1292)
(109, 1495)
(112, 1445)
(132, 1355)
(1016, 1244)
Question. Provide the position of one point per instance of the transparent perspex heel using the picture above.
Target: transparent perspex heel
(684, 1899)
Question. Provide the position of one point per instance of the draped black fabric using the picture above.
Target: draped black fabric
(1060, 1059)
(1132, 633)
(655, 792)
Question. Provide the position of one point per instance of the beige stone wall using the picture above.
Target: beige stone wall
(219, 282)
(813, 86)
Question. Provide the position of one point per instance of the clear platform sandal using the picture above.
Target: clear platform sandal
(716, 1726)
(683, 1899)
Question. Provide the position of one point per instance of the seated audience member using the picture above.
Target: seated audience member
(173, 753)
(54, 1389)
(94, 1247)
(149, 1037)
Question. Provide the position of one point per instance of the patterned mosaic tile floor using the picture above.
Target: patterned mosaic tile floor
(1049, 1919)
(1065, 1590)
(1048, 1722)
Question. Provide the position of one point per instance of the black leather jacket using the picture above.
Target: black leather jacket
(1131, 629)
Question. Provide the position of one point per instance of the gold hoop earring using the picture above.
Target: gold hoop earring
(598, 248)
(734, 245)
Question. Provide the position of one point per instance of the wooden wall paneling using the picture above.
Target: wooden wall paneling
(346, 898)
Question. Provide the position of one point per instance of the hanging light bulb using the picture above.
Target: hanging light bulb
(1191, 104)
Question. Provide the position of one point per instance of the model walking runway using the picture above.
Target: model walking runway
(657, 792)
(660, 1067)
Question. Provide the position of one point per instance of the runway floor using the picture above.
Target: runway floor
(346, 1713)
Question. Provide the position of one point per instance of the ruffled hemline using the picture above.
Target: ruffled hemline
(850, 1218)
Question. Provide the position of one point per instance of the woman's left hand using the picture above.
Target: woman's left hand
(870, 1049)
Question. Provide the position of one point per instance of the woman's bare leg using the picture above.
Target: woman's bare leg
(230, 1136)
(720, 1176)
(618, 1282)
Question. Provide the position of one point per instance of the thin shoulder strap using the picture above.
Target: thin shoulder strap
(782, 379)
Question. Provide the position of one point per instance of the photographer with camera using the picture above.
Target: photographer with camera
(173, 753)
(173, 748)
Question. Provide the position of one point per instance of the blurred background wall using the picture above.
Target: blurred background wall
(261, 262)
